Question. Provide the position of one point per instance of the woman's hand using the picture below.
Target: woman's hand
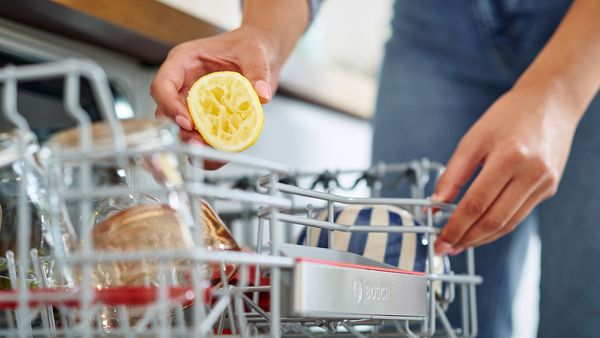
(247, 50)
(523, 140)
(269, 32)
(522, 143)
(257, 50)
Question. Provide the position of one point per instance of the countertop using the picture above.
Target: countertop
(147, 29)
(143, 29)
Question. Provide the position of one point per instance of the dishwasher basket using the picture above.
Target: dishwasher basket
(279, 289)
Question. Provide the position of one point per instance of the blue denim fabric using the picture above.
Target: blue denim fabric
(570, 234)
(446, 62)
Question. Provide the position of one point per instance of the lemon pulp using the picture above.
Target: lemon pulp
(226, 111)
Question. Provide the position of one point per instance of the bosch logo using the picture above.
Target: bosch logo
(357, 287)
(364, 291)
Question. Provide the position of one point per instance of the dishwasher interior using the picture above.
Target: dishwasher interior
(116, 230)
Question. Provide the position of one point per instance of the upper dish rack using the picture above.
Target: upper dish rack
(272, 292)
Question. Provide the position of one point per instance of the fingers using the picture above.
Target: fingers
(497, 212)
(191, 137)
(263, 89)
(183, 123)
(194, 137)
(502, 210)
(459, 169)
(165, 90)
(484, 191)
(257, 70)
(539, 195)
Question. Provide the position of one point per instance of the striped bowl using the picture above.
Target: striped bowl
(407, 251)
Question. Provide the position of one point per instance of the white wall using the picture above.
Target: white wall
(346, 33)
(308, 137)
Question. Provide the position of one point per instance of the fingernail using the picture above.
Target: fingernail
(194, 141)
(434, 198)
(183, 122)
(263, 89)
(456, 251)
(443, 248)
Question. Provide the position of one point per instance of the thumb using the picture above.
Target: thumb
(459, 169)
(165, 90)
(258, 72)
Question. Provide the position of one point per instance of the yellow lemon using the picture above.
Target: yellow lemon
(226, 111)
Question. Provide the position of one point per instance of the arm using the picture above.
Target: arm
(570, 61)
(523, 140)
(257, 49)
(283, 23)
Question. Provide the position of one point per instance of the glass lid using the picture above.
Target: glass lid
(139, 133)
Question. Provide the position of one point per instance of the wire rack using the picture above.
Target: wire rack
(273, 292)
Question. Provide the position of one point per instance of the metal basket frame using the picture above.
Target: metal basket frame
(213, 310)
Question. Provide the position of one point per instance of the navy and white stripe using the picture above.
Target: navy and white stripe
(403, 250)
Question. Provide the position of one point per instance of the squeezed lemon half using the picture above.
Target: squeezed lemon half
(226, 111)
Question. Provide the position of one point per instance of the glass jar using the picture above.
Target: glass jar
(123, 217)
(17, 167)
(125, 221)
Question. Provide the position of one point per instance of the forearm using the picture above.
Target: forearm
(281, 21)
(569, 65)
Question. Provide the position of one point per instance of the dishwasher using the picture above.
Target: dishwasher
(114, 229)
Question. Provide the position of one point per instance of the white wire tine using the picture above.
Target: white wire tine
(257, 268)
(10, 99)
(12, 269)
(309, 230)
(46, 313)
(8, 75)
(100, 87)
(286, 188)
(445, 322)
(472, 294)
(225, 285)
(352, 330)
(198, 307)
(214, 315)
(330, 217)
(123, 316)
(275, 296)
(72, 106)
(179, 316)
(239, 304)
(163, 300)
(23, 237)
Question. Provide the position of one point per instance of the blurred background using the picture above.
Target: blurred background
(318, 120)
